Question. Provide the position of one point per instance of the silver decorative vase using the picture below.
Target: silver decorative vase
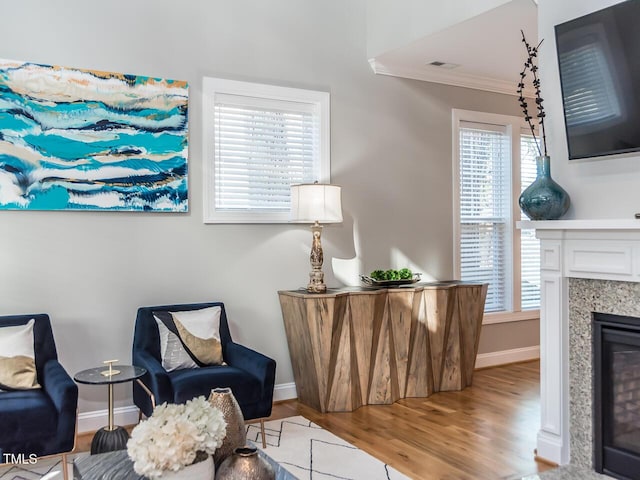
(245, 464)
(223, 399)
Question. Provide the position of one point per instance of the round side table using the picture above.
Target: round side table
(112, 437)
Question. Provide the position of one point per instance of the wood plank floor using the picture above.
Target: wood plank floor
(486, 431)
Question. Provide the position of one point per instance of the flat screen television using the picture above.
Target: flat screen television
(599, 60)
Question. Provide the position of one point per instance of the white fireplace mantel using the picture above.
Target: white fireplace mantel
(595, 224)
(594, 249)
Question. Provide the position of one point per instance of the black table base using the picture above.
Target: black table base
(106, 440)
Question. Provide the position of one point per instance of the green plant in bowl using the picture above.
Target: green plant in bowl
(391, 274)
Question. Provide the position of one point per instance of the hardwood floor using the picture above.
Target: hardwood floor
(486, 431)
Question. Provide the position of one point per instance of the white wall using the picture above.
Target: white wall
(393, 24)
(391, 152)
(599, 188)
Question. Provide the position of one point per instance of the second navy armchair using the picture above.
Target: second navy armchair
(249, 374)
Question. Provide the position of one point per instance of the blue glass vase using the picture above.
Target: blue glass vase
(544, 199)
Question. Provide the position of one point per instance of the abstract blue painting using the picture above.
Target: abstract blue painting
(73, 139)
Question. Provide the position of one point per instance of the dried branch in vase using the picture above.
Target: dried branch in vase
(531, 65)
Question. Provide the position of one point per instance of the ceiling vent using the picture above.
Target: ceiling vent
(448, 66)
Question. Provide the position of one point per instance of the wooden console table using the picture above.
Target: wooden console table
(365, 346)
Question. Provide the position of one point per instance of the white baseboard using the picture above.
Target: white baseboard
(552, 448)
(503, 357)
(95, 420)
(284, 391)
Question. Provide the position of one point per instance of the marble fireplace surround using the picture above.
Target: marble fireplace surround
(585, 266)
(587, 296)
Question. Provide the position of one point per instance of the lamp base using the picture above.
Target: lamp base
(316, 276)
(316, 283)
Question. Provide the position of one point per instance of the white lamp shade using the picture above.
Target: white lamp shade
(316, 202)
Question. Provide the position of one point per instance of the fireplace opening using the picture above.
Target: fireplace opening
(616, 399)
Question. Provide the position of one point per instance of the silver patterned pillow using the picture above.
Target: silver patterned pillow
(173, 354)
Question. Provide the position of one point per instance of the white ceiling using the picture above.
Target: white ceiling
(487, 48)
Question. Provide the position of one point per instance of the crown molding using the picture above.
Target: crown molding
(449, 77)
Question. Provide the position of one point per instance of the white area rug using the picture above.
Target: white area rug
(310, 452)
(47, 468)
(303, 448)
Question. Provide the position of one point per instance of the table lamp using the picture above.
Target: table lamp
(316, 203)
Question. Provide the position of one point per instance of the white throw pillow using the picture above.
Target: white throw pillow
(203, 323)
(172, 353)
(17, 357)
(199, 331)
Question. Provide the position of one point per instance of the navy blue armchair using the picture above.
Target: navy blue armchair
(249, 374)
(40, 421)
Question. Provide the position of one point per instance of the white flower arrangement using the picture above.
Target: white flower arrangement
(173, 435)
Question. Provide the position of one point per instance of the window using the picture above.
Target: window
(494, 161)
(529, 244)
(485, 212)
(258, 141)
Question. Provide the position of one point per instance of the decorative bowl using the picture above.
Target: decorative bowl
(371, 282)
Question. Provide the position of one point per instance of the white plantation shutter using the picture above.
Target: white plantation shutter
(529, 244)
(258, 145)
(261, 151)
(484, 176)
